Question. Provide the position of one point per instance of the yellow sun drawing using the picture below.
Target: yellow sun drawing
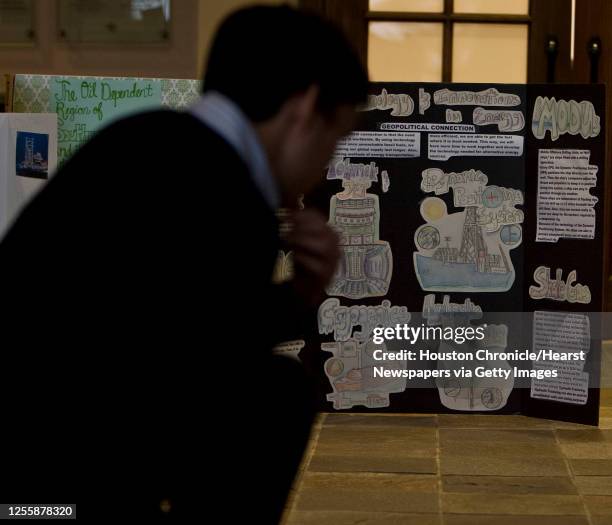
(433, 208)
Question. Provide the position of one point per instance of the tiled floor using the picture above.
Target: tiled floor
(455, 470)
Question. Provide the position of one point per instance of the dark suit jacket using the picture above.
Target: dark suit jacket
(139, 318)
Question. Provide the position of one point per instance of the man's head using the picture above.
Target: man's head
(298, 80)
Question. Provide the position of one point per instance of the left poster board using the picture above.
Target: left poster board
(84, 105)
(28, 158)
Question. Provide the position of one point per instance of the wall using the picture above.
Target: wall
(177, 59)
(193, 25)
(212, 13)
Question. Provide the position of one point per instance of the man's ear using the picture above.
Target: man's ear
(305, 105)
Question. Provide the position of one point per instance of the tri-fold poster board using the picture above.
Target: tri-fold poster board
(476, 202)
(480, 204)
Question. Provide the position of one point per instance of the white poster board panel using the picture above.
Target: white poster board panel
(28, 158)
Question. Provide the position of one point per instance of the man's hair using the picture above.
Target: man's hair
(263, 55)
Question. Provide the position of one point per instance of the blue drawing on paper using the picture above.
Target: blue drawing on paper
(511, 234)
(32, 155)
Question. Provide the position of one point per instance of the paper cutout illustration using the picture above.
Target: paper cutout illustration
(474, 393)
(443, 313)
(350, 370)
(424, 101)
(386, 183)
(469, 250)
(469, 393)
(367, 264)
(559, 117)
(342, 321)
(453, 116)
(505, 120)
(557, 289)
(487, 97)
(401, 105)
(350, 373)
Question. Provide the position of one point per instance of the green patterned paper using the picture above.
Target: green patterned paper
(39, 94)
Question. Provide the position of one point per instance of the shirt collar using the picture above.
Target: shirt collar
(226, 119)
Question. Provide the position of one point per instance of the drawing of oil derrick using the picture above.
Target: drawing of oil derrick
(472, 242)
(471, 267)
(367, 263)
(350, 373)
(474, 250)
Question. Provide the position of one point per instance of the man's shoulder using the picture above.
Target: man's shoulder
(164, 125)
(158, 140)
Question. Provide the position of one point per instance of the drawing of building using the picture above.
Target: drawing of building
(29, 152)
(446, 255)
(32, 151)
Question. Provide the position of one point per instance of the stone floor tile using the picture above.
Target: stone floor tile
(508, 485)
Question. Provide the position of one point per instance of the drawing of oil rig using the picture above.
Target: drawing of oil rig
(470, 266)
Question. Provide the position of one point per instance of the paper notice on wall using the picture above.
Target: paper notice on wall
(377, 144)
(565, 205)
(443, 146)
(85, 104)
(568, 333)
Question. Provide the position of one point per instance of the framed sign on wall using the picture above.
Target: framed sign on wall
(108, 22)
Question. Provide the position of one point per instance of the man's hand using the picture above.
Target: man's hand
(315, 254)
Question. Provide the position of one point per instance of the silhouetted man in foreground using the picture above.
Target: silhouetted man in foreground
(139, 310)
